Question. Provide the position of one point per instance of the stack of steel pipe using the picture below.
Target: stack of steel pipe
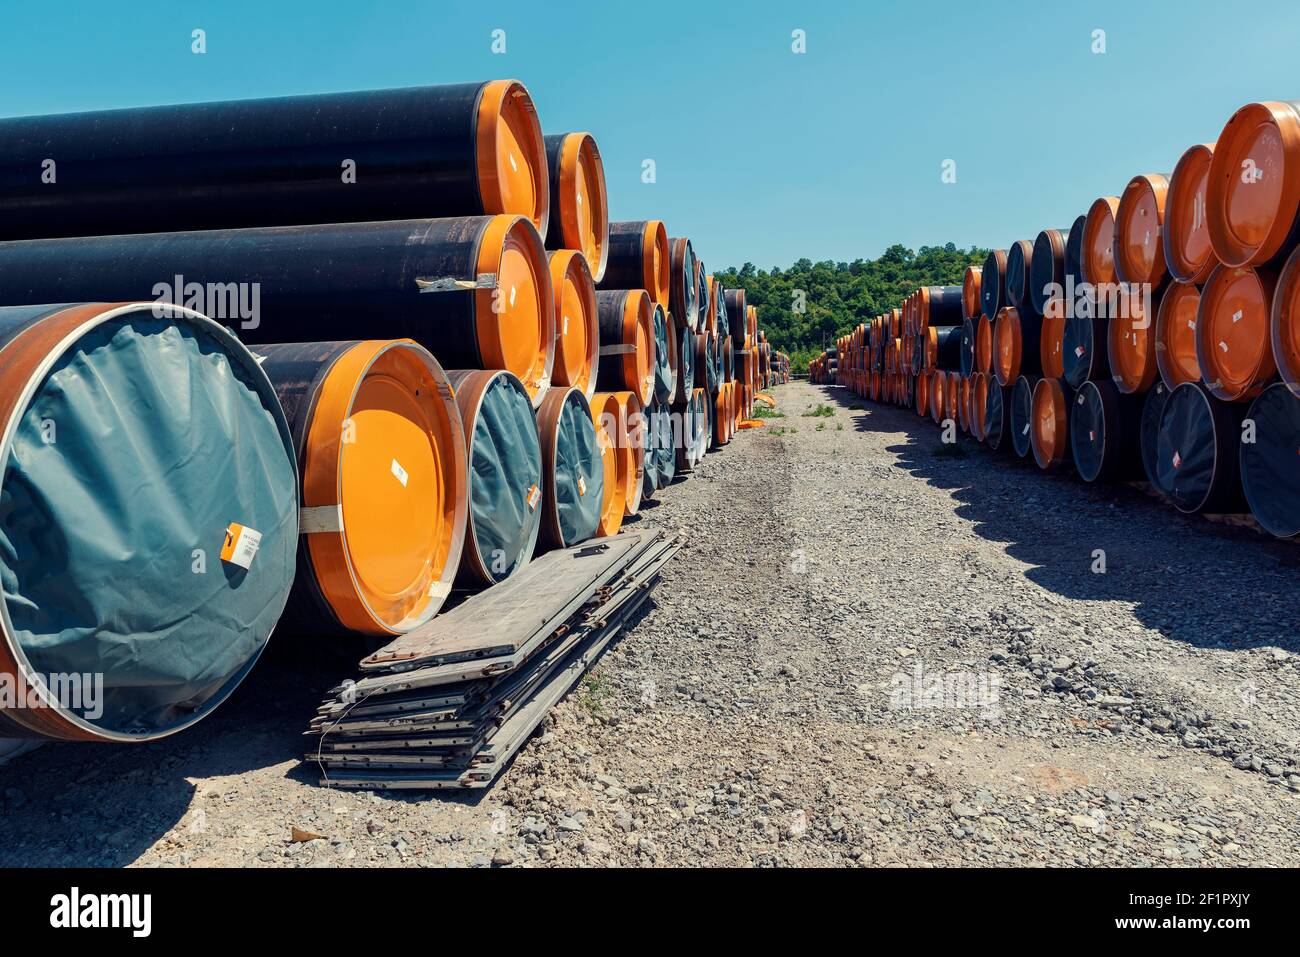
(374, 348)
(1155, 339)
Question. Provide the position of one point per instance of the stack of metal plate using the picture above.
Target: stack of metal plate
(448, 704)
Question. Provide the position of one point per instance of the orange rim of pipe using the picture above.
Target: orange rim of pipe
(1233, 341)
(515, 321)
(1098, 252)
(938, 388)
(1007, 345)
(656, 262)
(1050, 432)
(606, 413)
(1250, 216)
(1285, 324)
(952, 396)
(398, 476)
(1139, 245)
(1131, 346)
(984, 345)
(922, 393)
(638, 332)
(711, 318)
(963, 406)
(1189, 254)
(631, 447)
(922, 308)
(970, 290)
(1050, 345)
(1176, 358)
(577, 324)
(720, 405)
(979, 404)
(509, 154)
(584, 211)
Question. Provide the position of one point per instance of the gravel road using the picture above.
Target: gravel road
(873, 650)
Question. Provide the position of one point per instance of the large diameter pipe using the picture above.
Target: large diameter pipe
(475, 291)
(505, 475)
(737, 313)
(1270, 468)
(466, 149)
(1106, 433)
(639, 259)
(1189, 254)
(150, 492)
(382, 458)
(577, 325)
(627, 342)
(1197, 451)
(1253, 188)
(579, 217)
(573, 469)
(683, 295)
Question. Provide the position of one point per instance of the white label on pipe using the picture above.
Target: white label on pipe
(1236, 317)
(534, 496)
(564, 327)
(1191, 323)
(1223, 345)
(1178, 460)
(439, 590)
(1025, 430)
(241, 545)
(398, 471)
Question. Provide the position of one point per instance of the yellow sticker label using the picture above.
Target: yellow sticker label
(535, 496)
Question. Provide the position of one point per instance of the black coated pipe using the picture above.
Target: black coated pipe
(1019, 281)
(1047, 268)
(993, 284)
(1021, 417)
(1106, 433)
(298, 283)
(329, 158)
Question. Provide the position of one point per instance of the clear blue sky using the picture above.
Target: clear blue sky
(762, 154)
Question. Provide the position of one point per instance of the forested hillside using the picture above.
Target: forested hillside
(804, 308)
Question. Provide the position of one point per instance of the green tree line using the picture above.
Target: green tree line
(804, 309)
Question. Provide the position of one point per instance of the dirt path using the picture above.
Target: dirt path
(872, 650)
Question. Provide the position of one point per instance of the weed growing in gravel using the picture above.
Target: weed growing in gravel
(763, 412)
(821, 411)
(839, 427)
(595, 691)
(821, 426)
